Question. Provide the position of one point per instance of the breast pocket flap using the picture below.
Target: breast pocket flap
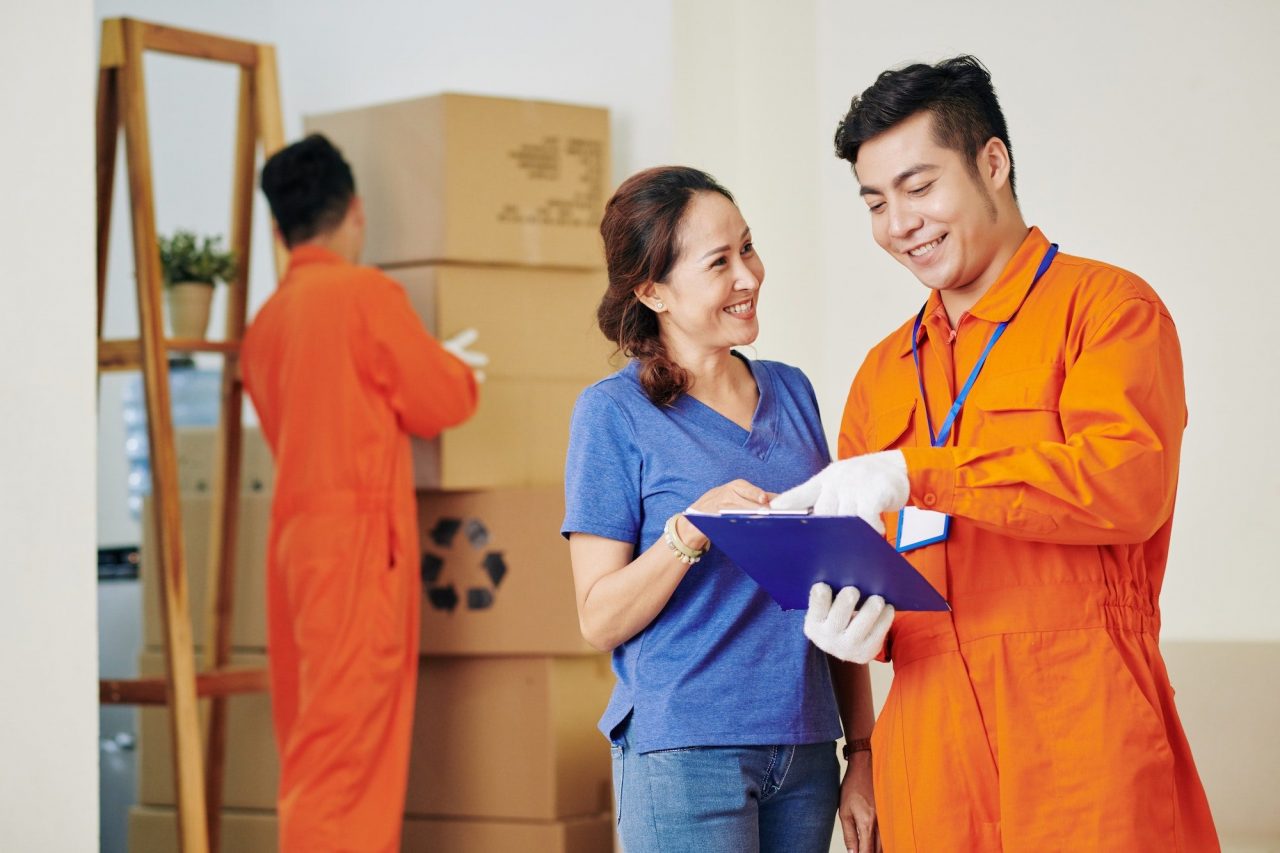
(889, 426)
(1037, 388)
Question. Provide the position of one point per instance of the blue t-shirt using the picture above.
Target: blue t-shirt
(722, 664)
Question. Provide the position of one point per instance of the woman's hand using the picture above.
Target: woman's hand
(619, 593)
(738, 494)
(858, 806)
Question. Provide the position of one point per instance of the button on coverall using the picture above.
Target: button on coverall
(341, 370)
(1037, 715)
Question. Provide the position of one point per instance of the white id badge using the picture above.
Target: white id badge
(920, 527)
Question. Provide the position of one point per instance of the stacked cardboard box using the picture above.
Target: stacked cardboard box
(538, 328)
(472, 179)
(495, 739)
(486, 210)
(155, 830)
(504, 733)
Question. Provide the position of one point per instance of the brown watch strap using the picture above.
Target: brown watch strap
(857, 744)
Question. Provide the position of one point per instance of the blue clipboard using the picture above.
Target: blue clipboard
(787, 554)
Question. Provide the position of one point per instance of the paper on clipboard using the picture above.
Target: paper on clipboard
(787, 554)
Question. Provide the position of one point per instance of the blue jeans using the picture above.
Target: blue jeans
(726, 799)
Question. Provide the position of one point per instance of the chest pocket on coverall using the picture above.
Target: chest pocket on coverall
(1017, 407)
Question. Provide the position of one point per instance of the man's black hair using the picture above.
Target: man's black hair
(958, 93)
(309, 187)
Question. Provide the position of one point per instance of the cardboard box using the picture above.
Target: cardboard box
(493, 738)
(511, 738)
(592, 834)
(538, 329)
(194, 447)
(495, 571)
(533, 323)
(519, 436)
(477, 179)
(155, 830)
(496, 578)
(252, 769)
(249, 609)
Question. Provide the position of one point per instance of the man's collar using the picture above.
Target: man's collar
(1006, 295)
(313, 253)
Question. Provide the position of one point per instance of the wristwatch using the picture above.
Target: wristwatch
(858, 744)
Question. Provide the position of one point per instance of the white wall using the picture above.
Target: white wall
(1143, 135)
(745, 104)
(48, 718)
(615, 54)
(334, 55)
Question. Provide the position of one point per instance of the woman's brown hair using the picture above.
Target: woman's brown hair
(640, 230)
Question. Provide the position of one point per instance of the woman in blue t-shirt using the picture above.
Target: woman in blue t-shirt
(724, 718)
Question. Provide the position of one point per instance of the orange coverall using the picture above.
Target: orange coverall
(341, 370)
(1037, 715)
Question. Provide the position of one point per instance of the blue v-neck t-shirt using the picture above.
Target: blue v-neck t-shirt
(722, 664)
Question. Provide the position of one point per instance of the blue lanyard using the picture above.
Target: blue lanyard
(941, 437)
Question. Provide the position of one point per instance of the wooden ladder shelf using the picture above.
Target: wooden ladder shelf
(122, 104)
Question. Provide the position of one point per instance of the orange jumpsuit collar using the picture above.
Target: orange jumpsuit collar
(1006, 295)
(1003, 299)
(311, 253)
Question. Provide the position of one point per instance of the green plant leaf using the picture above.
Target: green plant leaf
(184, 257)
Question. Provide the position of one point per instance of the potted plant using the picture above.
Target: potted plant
(191, 269)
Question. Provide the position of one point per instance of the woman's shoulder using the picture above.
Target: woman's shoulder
(619, 391)
(787, 374)
(617, 385)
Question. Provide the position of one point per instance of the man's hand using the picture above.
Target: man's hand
(865, 486)
(459, 346)
(833, 626)
(858, 806)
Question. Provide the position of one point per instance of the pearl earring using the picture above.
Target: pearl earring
(660, 305)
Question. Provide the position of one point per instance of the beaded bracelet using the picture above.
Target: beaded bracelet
(683, 552)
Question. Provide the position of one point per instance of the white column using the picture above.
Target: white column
(48, 656)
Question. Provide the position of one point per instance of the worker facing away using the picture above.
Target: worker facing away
(1020, 438)
(341, 372)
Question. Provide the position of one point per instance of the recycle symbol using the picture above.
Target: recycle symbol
(462, 558)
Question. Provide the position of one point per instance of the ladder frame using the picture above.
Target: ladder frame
(121, 106)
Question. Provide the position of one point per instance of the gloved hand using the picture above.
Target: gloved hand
(834, 627)
(458, 346)
(865, 486)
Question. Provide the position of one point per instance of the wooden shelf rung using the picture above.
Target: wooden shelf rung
(120, 355)
(198, 345)
(127, 354)
(155, 691)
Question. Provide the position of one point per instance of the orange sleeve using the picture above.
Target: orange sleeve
(428, 388)
(852, 440)
(1112, 479)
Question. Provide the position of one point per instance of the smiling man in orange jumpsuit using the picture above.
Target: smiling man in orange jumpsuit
(341, 370)
(1037, 715)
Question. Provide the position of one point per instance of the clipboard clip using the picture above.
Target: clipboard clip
(764, 512)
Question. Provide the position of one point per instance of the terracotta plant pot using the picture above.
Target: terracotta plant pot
(189, 303)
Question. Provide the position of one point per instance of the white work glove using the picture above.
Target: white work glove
(458, 346)
(865, 486)
(834, 627)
